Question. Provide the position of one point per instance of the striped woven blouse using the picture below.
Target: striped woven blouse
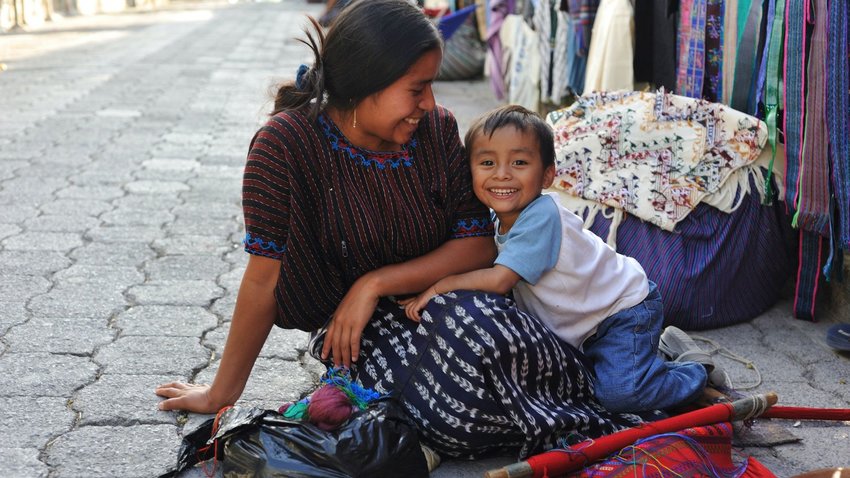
(330, 211)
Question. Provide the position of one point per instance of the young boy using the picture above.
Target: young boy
(585, 292)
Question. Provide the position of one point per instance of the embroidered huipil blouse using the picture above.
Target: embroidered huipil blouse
(330, 211)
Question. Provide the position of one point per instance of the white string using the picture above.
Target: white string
(758, 407)
(722, 351)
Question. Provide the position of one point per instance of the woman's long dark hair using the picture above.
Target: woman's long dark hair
(370, 45)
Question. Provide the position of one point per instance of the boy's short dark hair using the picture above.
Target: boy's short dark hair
(520, 118)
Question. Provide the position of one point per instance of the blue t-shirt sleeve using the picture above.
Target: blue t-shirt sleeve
(532, 245)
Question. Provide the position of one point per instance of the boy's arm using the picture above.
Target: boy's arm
(497, 279)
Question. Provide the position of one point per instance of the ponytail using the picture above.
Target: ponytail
(306, 94)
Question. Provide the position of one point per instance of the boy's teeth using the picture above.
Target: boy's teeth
(412, 121)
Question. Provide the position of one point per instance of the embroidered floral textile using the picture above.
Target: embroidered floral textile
(655, 156)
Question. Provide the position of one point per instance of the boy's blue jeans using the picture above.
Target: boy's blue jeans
(630, 375)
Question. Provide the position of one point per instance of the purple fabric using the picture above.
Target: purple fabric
(499, 9)
(717, 269)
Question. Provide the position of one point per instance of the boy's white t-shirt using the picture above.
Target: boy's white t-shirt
(572, 280)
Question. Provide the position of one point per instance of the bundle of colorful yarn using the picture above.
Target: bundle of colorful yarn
(329, 406)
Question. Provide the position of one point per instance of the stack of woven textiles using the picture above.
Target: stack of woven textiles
(678, 184)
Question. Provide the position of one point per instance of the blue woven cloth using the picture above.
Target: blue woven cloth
(795, 58)
(838, 109)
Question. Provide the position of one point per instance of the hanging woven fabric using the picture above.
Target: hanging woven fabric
(813, 197)
(582, 15)
(812, 214)
(499, 9)
(747, 59)
(759, 84)
(773, 75)
(838, 114)
(808, 274)
(541, 21)
(796, 16)
(730, 47)
(560, 68)
(691, 48)
(712, 88)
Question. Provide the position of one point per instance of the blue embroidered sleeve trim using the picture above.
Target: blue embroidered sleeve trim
(256, 245)
(365, 158)
(472, 227)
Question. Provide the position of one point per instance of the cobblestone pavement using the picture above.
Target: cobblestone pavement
(122, 139)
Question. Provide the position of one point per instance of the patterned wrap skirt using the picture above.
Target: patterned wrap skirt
(479, 378)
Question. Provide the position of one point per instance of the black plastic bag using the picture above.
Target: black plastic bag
(376, 442)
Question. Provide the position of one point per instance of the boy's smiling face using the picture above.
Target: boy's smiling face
(508, 172)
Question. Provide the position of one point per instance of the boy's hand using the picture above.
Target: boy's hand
(413, 305)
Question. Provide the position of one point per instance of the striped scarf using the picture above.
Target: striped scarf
(794, 80)
(813, 197)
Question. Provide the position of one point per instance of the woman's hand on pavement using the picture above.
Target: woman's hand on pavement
(187, 396)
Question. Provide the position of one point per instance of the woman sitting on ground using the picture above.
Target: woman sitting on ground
(355, 192)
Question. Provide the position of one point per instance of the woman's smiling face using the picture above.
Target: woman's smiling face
(387, 119)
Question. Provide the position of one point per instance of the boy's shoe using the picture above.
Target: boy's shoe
(677, 346)
(431, 457)
(719, 379)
